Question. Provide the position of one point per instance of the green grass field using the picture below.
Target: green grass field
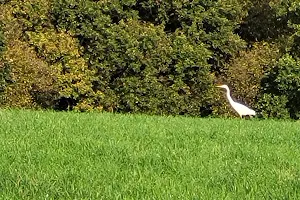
(48, 155)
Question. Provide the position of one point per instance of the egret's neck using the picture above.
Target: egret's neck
(229, 97)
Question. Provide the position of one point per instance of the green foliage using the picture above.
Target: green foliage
(139, 68)
(32, 78)
(276, 21)
(32, 14)
(82, 18)
(2, 41)
(29, 80)
(4, 68)
(246, 70)
(263, 22)
(244, 74)
(209, 22)
(284, 79)
(5, 79)
(51, 67)
(272, 106)
(149, 56)
(4, 1)
(61, 51)
(288, 12)
(167, 77)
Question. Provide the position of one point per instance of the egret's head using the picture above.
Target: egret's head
(223, 86)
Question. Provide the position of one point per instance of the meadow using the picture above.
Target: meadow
(66, 155)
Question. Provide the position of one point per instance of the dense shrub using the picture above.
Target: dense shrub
(32, 15)
(63, 54)
(272, 106)
(2, 41)
(263, 22)
(139, 67)
(245, 71)
(156, 66)
(162, 76)
(150, 56)
(5, 78)
(29, 77)
(46, 66)
(291, 10)
(284, 80)
(281, 83)
(210, 22)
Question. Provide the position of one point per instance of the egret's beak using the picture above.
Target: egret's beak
(219, 86)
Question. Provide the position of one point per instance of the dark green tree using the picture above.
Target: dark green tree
(139, 66)
(283, 80)
(262, 22)
(2, 40)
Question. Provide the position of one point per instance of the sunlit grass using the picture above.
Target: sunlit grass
(48, 155)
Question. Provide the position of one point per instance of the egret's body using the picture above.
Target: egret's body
(241, 109)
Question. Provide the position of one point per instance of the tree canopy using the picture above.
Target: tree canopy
(150, 56)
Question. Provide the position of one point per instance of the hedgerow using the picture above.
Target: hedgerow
(149, 56)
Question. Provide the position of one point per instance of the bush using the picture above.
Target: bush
(4, 68)
(32, 15)
(139, 67)
(272, 106)
(132, 60)
(210, 22)
(263, 23)
(157, 57)
(2, 41)
(283, 79)
(145, 71)
(246, 70)
(63, 54)
(244, 74)
(30, 76)
(51, 69)
(26, 76)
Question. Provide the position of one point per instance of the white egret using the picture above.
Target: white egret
(241, 109)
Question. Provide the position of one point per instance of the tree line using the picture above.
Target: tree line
(151, 56)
